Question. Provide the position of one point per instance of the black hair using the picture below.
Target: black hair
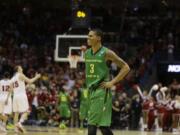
(6, 75)
(98, 32)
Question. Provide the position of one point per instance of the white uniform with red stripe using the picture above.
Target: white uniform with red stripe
(4, 91)
(20, 100)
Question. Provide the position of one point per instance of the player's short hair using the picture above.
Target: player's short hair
(16, 68)
(6, 75)
(98, 32)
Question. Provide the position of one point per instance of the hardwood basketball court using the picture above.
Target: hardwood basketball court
(74, 131)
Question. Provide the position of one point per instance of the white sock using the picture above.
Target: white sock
(141, 122)
(23, 118)
(156, 123)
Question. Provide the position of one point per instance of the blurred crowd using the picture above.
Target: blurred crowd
(27, 38)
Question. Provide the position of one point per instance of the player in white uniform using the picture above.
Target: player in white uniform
(20, 100)
(5, 100)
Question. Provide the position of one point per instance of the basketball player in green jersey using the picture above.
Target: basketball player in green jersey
(64, 108)
(83, 113)
(98, 83)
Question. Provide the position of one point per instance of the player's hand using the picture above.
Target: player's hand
(106, 85)
(38, 75)
(135, 86)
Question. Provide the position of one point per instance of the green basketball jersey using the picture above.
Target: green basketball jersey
(96, 67)
(63, 97)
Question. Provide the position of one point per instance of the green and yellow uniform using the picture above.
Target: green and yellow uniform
(100, 100)
(64, 105)
(83, 113)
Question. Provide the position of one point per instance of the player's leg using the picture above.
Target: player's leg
(72, 123)
(23, 107)
(77, 118)
(62, 114)
(160, 115)
(178, 123)
(3, 116)
(19, 125)
(3, 123)
(16, 117)
(15, 110)
(106, 130)
(7, 112)
(81, 121)
(65, 116)
(83, 113)
(16, 113)
(92, 130)
(23, 117)
(10, 124)
(105, 110)
(145, 119)
(175, 120)
(106, 120)
(93, 117)
(160, 121)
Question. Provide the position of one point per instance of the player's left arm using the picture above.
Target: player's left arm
(124, 68)
(29, 80)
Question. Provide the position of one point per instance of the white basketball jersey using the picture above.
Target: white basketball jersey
(4, 88)
(18, 85)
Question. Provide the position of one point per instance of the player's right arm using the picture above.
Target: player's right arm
(9, 93)
(29, 80)
(154, 88)
(139, 91)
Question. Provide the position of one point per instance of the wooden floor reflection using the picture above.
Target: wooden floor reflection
(74, 131)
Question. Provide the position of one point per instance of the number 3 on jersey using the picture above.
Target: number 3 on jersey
(91, 68)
